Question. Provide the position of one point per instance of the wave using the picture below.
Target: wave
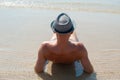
(71, 6)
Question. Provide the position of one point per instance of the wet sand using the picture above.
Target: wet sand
(22, 31)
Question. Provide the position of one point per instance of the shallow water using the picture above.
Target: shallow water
(109, 6)
(22, 29)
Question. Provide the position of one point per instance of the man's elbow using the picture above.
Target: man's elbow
(90, 71)
(38, 70)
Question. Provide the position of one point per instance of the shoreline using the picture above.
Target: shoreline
(22, 31)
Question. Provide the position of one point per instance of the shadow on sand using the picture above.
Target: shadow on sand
(65, 72)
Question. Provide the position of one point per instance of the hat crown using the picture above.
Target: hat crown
(62, 24)
(63, 20)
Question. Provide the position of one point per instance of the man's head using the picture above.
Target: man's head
(62, 24)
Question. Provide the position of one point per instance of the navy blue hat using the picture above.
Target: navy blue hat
(62, 24)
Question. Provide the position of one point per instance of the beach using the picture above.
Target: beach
(23, 29)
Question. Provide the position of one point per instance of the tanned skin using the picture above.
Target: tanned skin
(63, 48)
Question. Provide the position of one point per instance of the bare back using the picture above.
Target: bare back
(68, 53)
(64, 54)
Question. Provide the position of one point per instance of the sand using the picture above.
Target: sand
(22, 31)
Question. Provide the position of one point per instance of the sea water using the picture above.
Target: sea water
(24, 24)
(110, 6)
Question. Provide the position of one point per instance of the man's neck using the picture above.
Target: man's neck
(62, 41)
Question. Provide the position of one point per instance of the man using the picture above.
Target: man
(64, 46)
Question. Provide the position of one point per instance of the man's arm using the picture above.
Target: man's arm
(39, 67)
(85, 60)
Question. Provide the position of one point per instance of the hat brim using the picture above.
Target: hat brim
(70, 30)
(53, 26)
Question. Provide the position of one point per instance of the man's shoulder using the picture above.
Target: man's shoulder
(43, 47)
(80, 46)
(44, 44)
(82, 49)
